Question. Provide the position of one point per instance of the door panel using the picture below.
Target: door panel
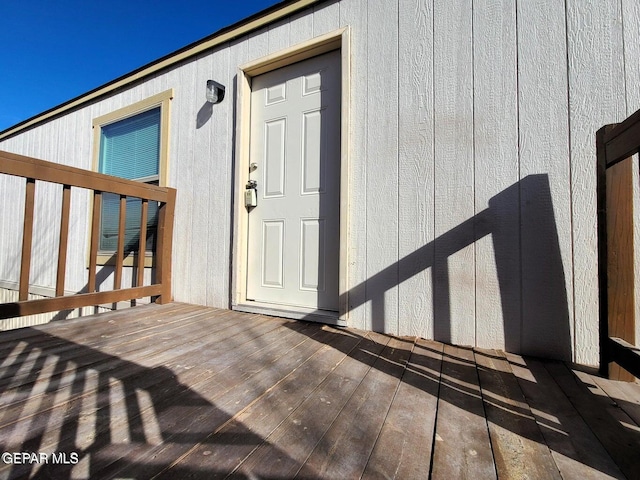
(313, 151)
(274, 139)
(312, 255)
(272, 263)
(293, 233)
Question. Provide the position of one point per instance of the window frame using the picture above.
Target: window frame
(162, 100)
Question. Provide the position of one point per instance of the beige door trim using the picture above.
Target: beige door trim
(338, 39)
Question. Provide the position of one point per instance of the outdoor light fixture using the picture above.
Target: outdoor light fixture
(215, 92)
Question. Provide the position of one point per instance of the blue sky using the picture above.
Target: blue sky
(52, 51)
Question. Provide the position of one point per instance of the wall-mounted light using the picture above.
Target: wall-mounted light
(215, 92)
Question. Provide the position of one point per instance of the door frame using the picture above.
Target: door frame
(336, 40)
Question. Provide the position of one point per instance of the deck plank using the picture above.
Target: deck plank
(225, 369)
(45, 412)
(126, 372)
(50, 421)
(66, 371)
(403, 449)
(625, 394)
(462, 448)
(343, 452)
(126, 344)
(114, 325)
(264, 415)
(574, 447)
(67, 349)
(285, 451)
(515, 436)
(607, 421)
(208, 413)
(195, 392)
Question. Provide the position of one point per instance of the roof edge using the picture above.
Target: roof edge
(226, 34)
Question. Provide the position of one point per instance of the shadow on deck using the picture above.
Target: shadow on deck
(180, 391)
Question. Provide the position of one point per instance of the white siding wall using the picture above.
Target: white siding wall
(596, 91)
(495, 143)
(416, 167)
(472, 200)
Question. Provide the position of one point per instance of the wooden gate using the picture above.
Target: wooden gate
(616, 145)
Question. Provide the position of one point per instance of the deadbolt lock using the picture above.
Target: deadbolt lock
(251, 194)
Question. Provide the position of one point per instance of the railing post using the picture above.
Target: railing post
(620, 262)
(164, 246)
(142, 245)
(27, 237)
(122, 223)
(64, 236)
(95, 240)
(601, 182)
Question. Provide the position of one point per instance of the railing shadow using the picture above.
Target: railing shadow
(458, 381)
(107, 410)
(531, 277)
(533, 296)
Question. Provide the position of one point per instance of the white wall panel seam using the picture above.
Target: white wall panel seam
(397, 141)
(519, 167)
(473, 176)
(624, 60)
(573, 262)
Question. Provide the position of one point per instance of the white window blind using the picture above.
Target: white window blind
(129, 148)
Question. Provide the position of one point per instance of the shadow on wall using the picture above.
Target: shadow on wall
(531, 277)
(204, 114)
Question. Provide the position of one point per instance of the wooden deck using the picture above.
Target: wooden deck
(180, 391)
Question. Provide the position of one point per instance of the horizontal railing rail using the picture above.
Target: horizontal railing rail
(33, 170)
(616, 144)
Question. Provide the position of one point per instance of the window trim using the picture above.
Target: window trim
(162, 100)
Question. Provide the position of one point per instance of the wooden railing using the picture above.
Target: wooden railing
(616, 145)
(33, 170)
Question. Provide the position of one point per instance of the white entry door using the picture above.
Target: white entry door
(293, 235)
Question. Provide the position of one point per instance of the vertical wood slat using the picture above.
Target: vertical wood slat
(95, 240)
(64, 236)
(27, 237)
(142, 246)
(164, 247)
(602, 250)
(122, 217)
(620, 251)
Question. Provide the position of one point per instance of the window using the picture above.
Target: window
(129, 148)
(131, 143)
